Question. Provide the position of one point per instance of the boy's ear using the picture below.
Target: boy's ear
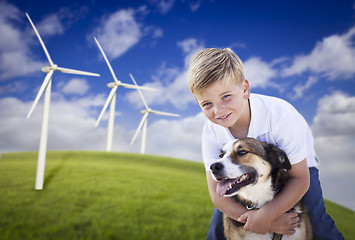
(246, 88)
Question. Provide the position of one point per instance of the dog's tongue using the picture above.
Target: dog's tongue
(222, 187)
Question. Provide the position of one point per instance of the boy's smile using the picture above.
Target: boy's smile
(226, 104)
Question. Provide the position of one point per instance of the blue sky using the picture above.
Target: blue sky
(301, 51)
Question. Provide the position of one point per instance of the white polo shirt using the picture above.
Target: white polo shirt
(274, 121)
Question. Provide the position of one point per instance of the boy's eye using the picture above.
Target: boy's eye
(206, 104)
(226, 96)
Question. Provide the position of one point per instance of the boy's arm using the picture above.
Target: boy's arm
(259, 221)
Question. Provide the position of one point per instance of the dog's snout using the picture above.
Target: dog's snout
(216, 167)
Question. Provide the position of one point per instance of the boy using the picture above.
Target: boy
(216, 79)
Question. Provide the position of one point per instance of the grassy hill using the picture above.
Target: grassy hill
(98, 195)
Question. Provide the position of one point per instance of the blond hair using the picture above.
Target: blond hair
(211, 65)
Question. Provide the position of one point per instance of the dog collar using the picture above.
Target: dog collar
(250, 207)
(277, 236)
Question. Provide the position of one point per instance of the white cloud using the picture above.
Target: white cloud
(154, 32)
(14, 131)
(71, 15)
(258, 72)
(71, 127)
(17, 63)
(71, 124)
(171, 81)
(179, 137)
(337, 102)
(57, 23)
(11, 37)
(8, 11)
(163, 6)
(174, 92)
(13, 87)
(334, 133)
(333, 57)
(299, 89)
(123, 29)
(336, 166)
(15, 57)
(189, 45)
(157, 33)
(51, 25)
(335, 116)
(74, 86)
(195, 5)
(118, 32)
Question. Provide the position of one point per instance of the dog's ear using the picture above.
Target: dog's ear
(277, 156)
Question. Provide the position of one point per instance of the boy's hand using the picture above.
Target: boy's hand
(255, 221)
(285, 224)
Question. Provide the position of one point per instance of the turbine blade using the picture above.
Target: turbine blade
(109, 98)
(40, 40)
(140, 93)
(107, 62)
(144, 118)
(72, 71)
(40, 92)
(137, 87)
(165, 113)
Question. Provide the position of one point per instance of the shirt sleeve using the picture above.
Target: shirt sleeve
(291, 137)
(210, 146)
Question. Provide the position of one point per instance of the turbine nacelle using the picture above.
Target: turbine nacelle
(114, 84)
(48, 68)
(144, 111)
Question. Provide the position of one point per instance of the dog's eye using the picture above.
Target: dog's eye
(242, 152)
(221, 154)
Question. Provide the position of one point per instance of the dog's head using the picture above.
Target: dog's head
(246, 162)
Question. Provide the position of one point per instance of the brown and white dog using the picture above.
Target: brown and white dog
(253, 172)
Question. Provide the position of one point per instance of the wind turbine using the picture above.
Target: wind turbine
(46, 85)
(144, 120)
(111, 99)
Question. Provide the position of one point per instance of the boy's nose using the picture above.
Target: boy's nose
(218, 108)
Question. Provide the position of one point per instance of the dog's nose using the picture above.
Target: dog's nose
(216, 167)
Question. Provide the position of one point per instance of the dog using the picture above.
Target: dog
(253, 173)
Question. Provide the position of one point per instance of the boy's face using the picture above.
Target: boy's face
(224, 103)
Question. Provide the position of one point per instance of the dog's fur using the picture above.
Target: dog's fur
(253, 172)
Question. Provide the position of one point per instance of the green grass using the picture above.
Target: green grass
(344, 219)
(97, 195)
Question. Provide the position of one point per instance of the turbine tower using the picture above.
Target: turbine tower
(111, 99)
(144, 120)
(46, 85)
